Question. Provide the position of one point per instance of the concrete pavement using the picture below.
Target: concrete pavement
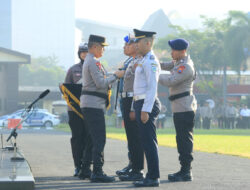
(49, 155)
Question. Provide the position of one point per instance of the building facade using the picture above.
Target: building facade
(39, 28)
(9, 63)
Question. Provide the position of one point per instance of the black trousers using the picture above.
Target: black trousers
(206, 123)
(221, 122)
(96, 140)
(78, 139)
(184, 124)
(197, 123)
(133, 137)
(149, 138)
(230, 122)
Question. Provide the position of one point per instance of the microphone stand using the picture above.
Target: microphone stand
(24, 117)
(14, 134)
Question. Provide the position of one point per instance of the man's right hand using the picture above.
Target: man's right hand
(119, 74)
(132, 115)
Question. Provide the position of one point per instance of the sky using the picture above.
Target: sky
(133, 13)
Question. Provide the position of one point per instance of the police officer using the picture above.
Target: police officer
(183, 102)
(128, 168)
(147, 105)
(131, 127)
(94, 100)
(74, 76)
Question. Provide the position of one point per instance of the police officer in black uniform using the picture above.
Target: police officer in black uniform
(183, 102)
(74, 76)
(131, 127)
(94, 101)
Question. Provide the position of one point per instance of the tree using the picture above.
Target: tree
(220, 45)
(43, 71)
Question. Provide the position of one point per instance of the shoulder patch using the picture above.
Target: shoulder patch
(180, 69)
(98, 64)
(152, 57)
(154, 67)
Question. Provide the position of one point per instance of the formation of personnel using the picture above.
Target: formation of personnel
(224, 117)
(140, 108)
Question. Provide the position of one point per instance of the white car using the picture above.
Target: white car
(35, 118)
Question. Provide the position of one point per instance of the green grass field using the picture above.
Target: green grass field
(223, 141)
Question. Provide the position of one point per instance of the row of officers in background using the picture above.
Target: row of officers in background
(140, 107)
(223, 117)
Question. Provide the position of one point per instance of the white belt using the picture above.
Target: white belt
(140, 97)
(127, 94)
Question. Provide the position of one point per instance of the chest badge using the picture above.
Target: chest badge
(98, 64)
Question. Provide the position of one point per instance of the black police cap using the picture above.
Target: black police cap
(178, 44)
(98, 39)
(139, 34)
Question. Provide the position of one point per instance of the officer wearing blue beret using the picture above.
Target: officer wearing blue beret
(178, 44)
(183, 102)
(132, 130)
(132, 172)
(147, 105)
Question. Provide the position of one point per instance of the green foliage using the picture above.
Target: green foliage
(218, 46)
(43, 71)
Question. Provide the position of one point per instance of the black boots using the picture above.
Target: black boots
(76, 173)
(147, 182)
(98, 176)
(183, 175)
(85, 172)
(132, 176)
(125, 170)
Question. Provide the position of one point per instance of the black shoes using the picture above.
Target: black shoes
(101, 177)
(77, 170)
(181, 176)
(147, 182)
(132, 176)
(125, 170)
(84, 174)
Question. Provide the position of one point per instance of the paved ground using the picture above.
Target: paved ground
(49, 155)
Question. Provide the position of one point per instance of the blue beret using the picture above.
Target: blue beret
(178, 44)
(129, 40)
(126, 39)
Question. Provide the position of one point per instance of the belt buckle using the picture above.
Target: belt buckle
(130, 94)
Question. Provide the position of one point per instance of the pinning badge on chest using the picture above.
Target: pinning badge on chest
(98, 64)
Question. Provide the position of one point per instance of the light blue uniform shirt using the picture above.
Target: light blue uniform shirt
(146, 80)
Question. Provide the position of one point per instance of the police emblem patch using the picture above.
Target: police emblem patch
(154, 67)
(180, 69)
